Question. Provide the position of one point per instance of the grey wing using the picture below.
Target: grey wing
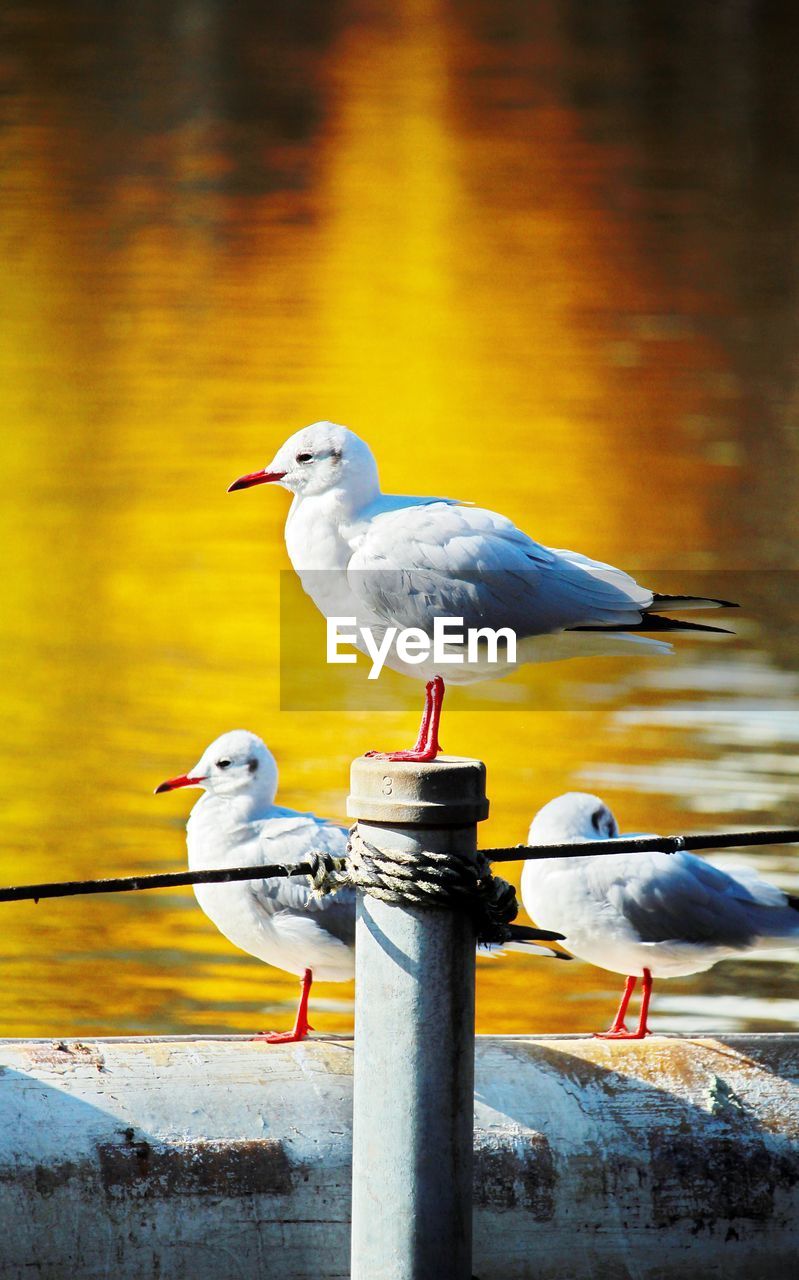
(441, 560)
(289, 840)
(680, 898)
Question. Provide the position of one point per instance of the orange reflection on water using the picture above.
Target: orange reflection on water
(216, 231)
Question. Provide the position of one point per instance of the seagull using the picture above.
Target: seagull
(389, 560)
(280, 921)
(236, 823)
(646, 915)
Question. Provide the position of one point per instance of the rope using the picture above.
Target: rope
(426, 879)
(429, 879)
(326, 873)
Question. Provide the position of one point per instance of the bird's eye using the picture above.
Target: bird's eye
(223, 764)
(596, 820)
(304, 457)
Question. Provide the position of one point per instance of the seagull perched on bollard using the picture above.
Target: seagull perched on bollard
(396, 563)
(281, 921)
(646, 915)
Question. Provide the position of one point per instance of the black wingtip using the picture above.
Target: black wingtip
(658, 622)
(676, 624)
(524, 933)
(654, 622)
(662, 600)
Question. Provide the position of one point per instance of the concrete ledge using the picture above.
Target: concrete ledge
(217, 1157)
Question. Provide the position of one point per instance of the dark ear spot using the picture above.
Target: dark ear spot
(596, 820)
(252, 764)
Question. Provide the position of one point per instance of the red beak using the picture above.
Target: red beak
(255, 477)
(172, 784)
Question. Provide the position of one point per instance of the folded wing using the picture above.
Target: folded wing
(680, 898)
(441, 560)
(288, 841)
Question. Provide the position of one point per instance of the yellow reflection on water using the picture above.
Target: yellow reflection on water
(408, 228)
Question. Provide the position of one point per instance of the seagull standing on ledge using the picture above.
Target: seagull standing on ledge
(237, 823)
(646, 915)
(394, 561)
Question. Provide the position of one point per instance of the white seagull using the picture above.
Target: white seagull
(237, 823)
(402, 562)
(646, 915)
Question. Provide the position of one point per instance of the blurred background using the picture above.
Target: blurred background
(541, 255)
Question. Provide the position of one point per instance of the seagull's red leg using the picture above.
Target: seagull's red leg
(301, 1024)
(617, 1029)
(424, 724)
(646, 996)
(436, 699)
(427, 746)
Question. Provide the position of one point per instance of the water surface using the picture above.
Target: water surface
(543, 257)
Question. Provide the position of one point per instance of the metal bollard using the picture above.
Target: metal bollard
(414, 1034)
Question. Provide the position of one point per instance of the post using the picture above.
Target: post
(414, 1034)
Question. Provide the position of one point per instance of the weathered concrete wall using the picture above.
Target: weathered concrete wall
(217, 1159)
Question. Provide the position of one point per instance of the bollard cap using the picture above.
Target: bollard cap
(447, 792)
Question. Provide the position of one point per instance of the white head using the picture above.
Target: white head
(236, 764)
(574, 816)
(319, 459)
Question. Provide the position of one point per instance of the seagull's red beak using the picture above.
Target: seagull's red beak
(172, 784)
(255, 477)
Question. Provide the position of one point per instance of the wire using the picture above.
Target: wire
(644, 844)
(511, 853)
(162, 880)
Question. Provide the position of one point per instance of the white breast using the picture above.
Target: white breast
(288, 940)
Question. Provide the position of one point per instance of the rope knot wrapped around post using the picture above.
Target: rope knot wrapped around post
(426, 879)
(432, 879)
